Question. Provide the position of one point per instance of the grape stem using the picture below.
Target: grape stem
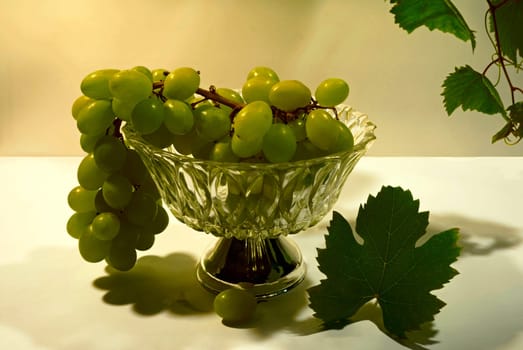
(208, 94)
(212, 95)
(117, 123)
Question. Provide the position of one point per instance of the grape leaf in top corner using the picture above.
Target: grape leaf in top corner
(388, 267)
(509, 18)
(434, 14)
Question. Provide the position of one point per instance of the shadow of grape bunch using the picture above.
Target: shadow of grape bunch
(156, 284)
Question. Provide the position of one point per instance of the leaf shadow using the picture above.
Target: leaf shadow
(477, 236)
(371, 311)
(156, 284)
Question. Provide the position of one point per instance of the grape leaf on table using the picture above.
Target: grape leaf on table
(472, 91)
(434, 14)
(388, 267)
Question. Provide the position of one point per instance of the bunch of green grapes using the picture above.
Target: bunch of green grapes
(282, 121)
(117, 206)
(269, 121)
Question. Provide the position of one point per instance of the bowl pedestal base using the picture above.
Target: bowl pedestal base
(267, 267)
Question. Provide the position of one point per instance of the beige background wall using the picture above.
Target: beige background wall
(47, 46)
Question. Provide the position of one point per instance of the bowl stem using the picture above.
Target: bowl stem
(266, 266)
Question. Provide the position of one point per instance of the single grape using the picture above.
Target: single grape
(89, 175)
(145, 71)
(222, 152)
(134, 169)
(105, 226)
(121, 258)
(331, 92)
(235, 305)
(345, 139)
(306, 150)
(159, 74)
(142, 209)
(212, 123)
(246, 148)
(128, 234)
(289, 95)
(161, 137)
(145, 241)
(321, 129)
(81, 200)
(253, 121)
(160, 222)
(123, 109)
(88, 142)
(110, 154)
(179, 118)
(193, 142)
(279, 143)
(130, 85)
(95, 118)
(122, 255)
(257, 89)
(262, 71)
(148, 187)
(79, 223)
(96, 84)
(117, 191)
(79, 104)
(298, 128)
(189, 143)
(231, 95)
(200, 106)
(181, 83)
(101, 205)
(147, 115)
(93, 249)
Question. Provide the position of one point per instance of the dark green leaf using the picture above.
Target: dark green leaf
(516, 112)
(503, 133)
(509, 19)
(388, 267)
(514, 125)
(434, 14)
(472, 91)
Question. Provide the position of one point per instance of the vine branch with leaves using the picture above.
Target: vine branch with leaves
(465, 87)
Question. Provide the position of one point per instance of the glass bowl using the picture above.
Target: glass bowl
(253, 207)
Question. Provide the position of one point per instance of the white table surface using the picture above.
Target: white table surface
(48, 299)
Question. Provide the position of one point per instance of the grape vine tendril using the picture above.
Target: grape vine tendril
(499, 53)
